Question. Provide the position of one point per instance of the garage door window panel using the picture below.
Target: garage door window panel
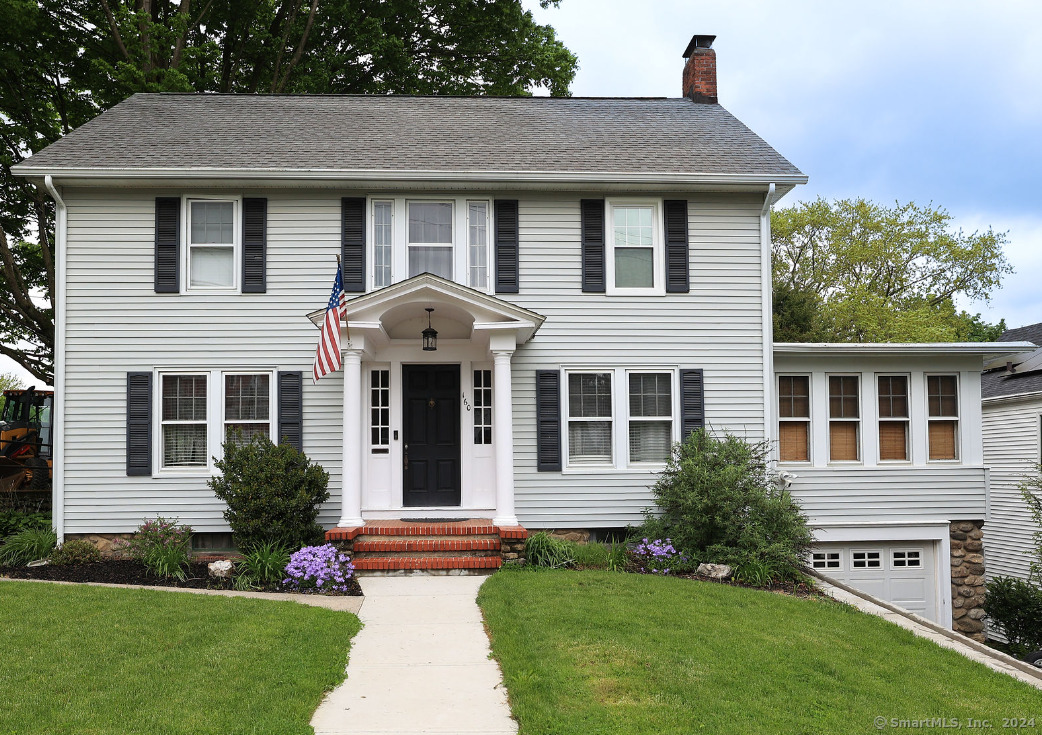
(826, 561)
(866, 560)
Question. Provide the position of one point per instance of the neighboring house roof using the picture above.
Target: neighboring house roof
(1027, 368)
(589, 139)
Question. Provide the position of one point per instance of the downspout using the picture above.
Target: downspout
(768, 318)
(58, 410)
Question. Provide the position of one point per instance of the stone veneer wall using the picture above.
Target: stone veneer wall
(512, 549)
(103, 541)
(967, 540)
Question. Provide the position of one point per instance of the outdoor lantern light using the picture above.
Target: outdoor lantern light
(430, 334)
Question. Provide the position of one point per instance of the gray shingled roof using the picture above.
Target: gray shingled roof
(402, 133)
(998, 382)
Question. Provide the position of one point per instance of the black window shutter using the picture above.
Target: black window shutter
(548, 420)
(692, 402)
(291, 409)
(254, 245)
(507, 266)
(677, 277)
(352, 243)
(592, 214)
(168, 245)
(139, 424)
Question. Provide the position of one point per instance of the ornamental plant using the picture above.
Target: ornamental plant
(162, 545)
(321, 569)
(273, 492)
(656, 557)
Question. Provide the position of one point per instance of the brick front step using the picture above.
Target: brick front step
(366, 544)
(382, 563)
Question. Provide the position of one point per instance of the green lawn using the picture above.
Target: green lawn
(591, 653)
(92, 660)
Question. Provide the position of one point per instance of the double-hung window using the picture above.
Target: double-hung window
(247, 406)
(942, 393)
(651, 417)
(383, 237)
(590, 414)
(183, 418)
(794, 418)
(430, 238)
(635, 260)
(212, 252)
(893, 417)
(844, 419)
(477, 245)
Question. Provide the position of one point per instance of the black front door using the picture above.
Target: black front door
(431, 458)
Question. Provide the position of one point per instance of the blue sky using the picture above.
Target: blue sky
(923, 101)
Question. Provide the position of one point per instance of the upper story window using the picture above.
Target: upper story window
(893, 417)
(844, 418)
(794, 418)
(942, 393)
(634, 247)
(212, 251)
(448, 237)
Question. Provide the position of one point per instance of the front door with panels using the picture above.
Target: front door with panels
(431, 441)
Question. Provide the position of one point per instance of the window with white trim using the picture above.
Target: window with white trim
(906, 559)
(844, 419)
(430, 238)
(829, 560)
(380, 411)
(866, 559)
(477, 245)
(247, 406)
(590, 418)
(892, 393)
(212, 244)
(482, 406)
(183, 421)
(383, 237)
(942, 393)
(634, 249)
(794, 418)
(650, 417)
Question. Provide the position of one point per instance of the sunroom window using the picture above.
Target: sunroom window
(212, 244)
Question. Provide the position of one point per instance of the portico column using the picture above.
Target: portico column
(351, 493)
(503, 436)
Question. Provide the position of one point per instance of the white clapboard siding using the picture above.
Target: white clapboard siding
(116, 323)
(1011, 449)
(832, 495)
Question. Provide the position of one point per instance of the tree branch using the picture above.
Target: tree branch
(115, 30)
(300, 48)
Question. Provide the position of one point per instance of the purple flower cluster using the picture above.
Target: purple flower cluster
(656, 557)
(319, 569)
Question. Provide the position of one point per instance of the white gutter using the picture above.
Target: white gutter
(58, 410)
(766, 289)
(902, 348)
(592, 177)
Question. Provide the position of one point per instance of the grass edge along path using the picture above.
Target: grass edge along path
(100, 660)
(597, 653)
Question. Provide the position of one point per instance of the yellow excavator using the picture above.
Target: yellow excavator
(25, 440)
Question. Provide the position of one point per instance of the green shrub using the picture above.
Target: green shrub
(273, 492)
(75, 551)
(719, 504)
(1031, 491)
(28, 545)
(263, 565)
(13, 521)
(1015, 607)
(164, 547)
(543, 550)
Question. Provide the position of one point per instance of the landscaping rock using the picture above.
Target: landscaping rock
(714, 571)
(38, 563)
(221, 569)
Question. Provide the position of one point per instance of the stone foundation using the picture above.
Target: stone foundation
(967, 560)
(578, 535)
(512, 549)
(103, 541)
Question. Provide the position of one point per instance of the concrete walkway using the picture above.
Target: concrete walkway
(421, 664)
(925, 629)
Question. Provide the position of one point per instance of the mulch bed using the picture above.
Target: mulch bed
(128, 571)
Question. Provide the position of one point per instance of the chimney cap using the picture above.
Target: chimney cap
(698, 42)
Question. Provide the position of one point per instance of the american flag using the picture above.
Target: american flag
(327, 357)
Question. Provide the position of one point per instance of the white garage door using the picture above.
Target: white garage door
(901, 572)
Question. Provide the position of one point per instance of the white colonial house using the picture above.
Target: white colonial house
(598, 274)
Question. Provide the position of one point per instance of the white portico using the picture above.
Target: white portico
(429, 432)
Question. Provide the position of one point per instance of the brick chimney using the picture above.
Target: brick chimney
(700, 70)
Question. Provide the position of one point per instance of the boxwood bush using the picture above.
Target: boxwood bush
(273, 492)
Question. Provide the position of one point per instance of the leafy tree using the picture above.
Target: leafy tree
(8, 381)
(64, 61)
(974, 329)
(884, 273)
(797, 315)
